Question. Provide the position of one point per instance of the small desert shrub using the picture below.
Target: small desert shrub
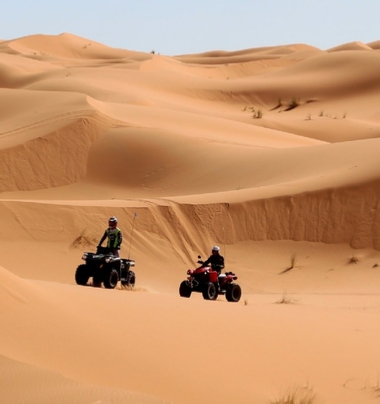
(376, 388)
(321, 113)
(292, 263)
(258, 114)
(353, 260)
(249, 108)
(85, 239)
(308, 117)
(286, 299)
(297, 396)
(293, 260)
(294, 103)
(280, 104)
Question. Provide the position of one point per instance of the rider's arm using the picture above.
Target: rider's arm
(120, 239)
(103, 238)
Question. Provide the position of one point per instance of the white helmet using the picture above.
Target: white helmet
(215, 248)
(112, 221)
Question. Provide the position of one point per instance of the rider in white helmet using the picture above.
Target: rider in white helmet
(115, 238)
(215, 259)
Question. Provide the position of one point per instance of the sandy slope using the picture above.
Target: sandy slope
(269, 152)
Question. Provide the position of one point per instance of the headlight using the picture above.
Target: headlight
(84, 256)
(108, 260)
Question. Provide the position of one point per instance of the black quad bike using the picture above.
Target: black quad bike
(208, 281)
(104, 267)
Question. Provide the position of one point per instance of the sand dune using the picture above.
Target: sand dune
(269, 152)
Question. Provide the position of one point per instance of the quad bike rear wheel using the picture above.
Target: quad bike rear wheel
(132, 279)
(233, 293)
(111, 278)
(129, 280)
(81, 275)
(210, 292)
(184, 289)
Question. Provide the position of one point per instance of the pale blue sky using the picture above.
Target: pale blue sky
(173, 27)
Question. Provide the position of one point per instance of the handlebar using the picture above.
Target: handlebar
(103, 250)
(213, 266)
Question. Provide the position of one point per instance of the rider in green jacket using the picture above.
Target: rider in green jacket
(114, 235)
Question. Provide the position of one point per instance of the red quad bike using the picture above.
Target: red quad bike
(210, 283)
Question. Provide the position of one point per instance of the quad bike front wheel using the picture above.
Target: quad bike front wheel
(111, 278)
(184, 289)
(210, 292)
(233, 293)
(81, 275)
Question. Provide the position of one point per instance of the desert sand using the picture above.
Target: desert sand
(270, 153)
